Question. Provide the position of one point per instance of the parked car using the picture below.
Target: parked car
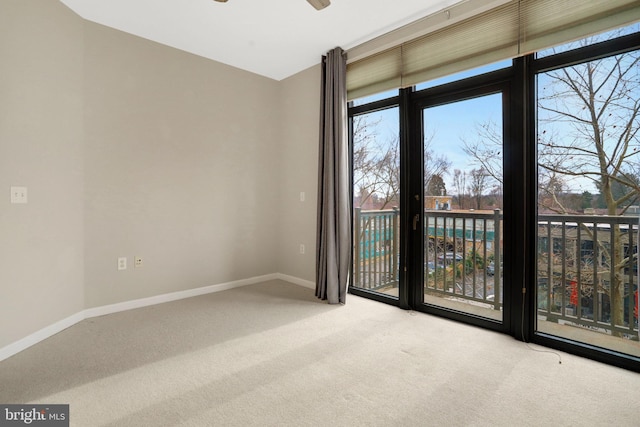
(447, 259)
(491, 269)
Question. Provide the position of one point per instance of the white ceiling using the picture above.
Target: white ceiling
(274, 38)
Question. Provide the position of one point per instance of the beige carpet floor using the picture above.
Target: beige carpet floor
(273, 355)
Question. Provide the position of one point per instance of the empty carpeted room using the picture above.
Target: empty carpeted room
(193, 235)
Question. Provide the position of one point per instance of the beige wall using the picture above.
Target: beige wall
(41, 147)
(132, 148)
(182, 161)
(299, 172)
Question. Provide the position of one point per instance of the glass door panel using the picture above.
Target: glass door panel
(462, 193)
(376, 190)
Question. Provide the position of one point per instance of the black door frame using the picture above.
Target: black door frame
(411, 103)
(501, 81)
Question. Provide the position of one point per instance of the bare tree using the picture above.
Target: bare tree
(479, 182)
(460, 185)
(376, 164)
(387, 173)
(599, 102)
(436, 166)
(595, 106)
(364, 137)
(551, 185)
(486, 149)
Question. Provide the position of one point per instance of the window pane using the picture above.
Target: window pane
(463, 176)
(588, 196)
(376, 180)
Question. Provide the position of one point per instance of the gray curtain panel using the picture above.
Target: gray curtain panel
(333, 248)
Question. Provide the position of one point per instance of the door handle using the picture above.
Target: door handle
(416, 219)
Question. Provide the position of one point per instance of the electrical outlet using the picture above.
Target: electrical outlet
(18, 195)
(137, 262)
(122, 263)
(303, 196)
(302, 249)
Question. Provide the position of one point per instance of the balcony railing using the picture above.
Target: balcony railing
(587, 273)
(463, 256)
(376, 253)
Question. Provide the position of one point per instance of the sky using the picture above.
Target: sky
(450, 125)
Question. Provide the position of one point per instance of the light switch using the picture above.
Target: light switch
(18, 194)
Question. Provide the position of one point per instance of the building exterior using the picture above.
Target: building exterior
(438, 203)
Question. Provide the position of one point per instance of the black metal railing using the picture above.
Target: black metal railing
(376, 253)
(463, 256)
(462, 253)
(588, 272)
(587, 269)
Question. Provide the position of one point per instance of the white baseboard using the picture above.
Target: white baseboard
(173, 296)
(44, 333)
(296, 281)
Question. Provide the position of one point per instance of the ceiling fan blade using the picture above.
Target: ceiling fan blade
(319, 4)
